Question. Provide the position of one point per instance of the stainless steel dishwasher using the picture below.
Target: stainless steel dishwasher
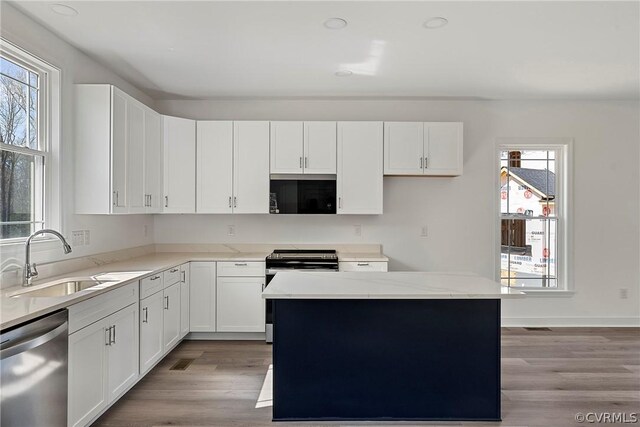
(33, 373)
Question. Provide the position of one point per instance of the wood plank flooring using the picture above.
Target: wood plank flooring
(547, 377)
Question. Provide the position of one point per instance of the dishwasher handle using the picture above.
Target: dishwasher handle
(33, 343)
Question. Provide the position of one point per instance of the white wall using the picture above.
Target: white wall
(107, 232)
(459, 212)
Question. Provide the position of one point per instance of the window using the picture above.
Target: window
(27, 144)
(533, 210)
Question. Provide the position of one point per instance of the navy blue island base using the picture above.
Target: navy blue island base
(386, 359)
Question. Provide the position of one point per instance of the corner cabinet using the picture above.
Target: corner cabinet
(179, 144)
(417, 148)
(116, 139)
(360, 173)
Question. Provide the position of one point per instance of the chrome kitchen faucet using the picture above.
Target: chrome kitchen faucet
(30, 271)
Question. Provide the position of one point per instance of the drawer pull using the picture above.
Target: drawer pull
(240, 264)
(173, 270)
(155, 278)
(363, 264)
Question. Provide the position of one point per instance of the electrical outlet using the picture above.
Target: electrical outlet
(424, 231)
(231, 230)
(77, 238)
(87, 237)
(357, 229)
(624, 293)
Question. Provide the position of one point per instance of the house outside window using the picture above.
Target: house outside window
(29, 144)
(533, 215)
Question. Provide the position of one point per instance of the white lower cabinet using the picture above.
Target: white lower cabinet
(103, 364)
(171, 316)
(240, 306)
(151, 335)
(184, 299)
(202, 297)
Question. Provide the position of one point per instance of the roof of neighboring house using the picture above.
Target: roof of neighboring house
(542, 180)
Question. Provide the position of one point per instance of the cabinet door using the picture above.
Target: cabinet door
(171, 316)
(202, 297)
(240, 304)
(153, 161)
(184, 300)
(320, 147)
(118, 152)
(359, 177)
(151, 336)
(122, 354)
(87, 374)
(403, 148)
(215, 167)
(286, 147)
(179, 165)
(251, 167)
(443, 149)
(135, 157)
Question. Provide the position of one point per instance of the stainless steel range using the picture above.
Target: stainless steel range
(296, 259)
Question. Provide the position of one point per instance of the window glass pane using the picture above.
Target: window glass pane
(21, 192)
(33, 118)
(14, 70)
(33, 79)
(13, 112)
(528, 252)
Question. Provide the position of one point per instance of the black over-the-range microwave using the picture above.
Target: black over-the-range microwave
(302, 196)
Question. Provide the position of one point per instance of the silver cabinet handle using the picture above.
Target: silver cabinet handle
(229, 201)
(340, 202)
(107, 337)
(166, 302)
(421, 163)
(425, 162)
(115, 202)
(150, 200)
(263, 286)
(114, 334)
(306, 162)
(235, 202)
(184, 277)
(166, 201)
(145, 317)
(363, 264)
(154, 278)
(240, 264)
(173, 270)
(300, 162)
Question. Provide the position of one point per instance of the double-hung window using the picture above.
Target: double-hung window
(533, 194)
(27, 144)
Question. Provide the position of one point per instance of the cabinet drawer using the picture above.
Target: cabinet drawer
(171, 276)
(241, 268)
(150, 285)
(94, 309)
(363, 266)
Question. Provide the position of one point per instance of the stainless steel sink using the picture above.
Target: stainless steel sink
(61, 288)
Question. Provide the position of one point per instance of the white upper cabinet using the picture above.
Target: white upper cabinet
(118, 172)
(179, 146)
(403, 148)
(303, 148)
(250, 167)
(443, 148)
(152, 161)
(320, 147)
(360, 172)
(287, 147)
(416, 148)
(214, 167)
(136, 200)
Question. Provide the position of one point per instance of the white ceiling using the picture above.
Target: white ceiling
(491, 50)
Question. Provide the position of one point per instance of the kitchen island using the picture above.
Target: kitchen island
(386, 346)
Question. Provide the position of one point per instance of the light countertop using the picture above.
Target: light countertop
(383, 285)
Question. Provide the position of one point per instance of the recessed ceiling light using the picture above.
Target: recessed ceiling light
(343, 73)
(171, 49)
(435, 23)
(335, 23)
(63, 9)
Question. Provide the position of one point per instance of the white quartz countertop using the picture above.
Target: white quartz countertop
(382, 285)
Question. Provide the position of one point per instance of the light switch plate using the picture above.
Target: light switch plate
(231, 230)
(424, 232)
(357, 229)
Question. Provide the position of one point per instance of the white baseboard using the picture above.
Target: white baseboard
(591, 322)
(222, 336)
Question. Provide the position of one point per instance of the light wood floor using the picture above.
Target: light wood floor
(547, 377)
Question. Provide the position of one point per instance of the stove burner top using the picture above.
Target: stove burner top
(303, 254)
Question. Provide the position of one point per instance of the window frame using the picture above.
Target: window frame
(49, 131)
(563, 209)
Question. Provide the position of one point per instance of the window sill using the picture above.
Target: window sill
(560, 293)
